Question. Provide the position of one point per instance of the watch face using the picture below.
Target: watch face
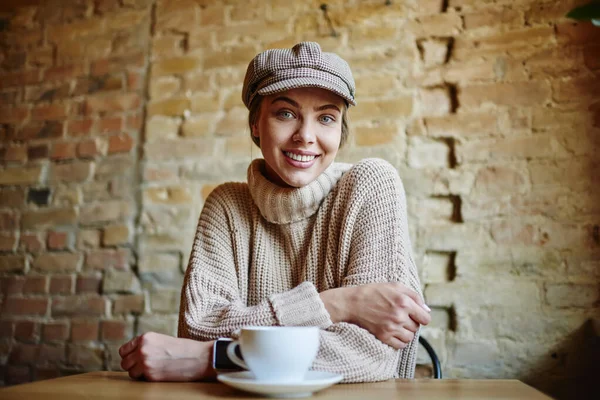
(221, 361)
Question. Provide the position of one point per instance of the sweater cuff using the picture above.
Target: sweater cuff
(300, 306)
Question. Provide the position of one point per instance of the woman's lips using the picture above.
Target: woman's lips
(298, 163)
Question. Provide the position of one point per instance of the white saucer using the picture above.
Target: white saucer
(314, 381)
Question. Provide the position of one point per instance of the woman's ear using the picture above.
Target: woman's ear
(255, 131)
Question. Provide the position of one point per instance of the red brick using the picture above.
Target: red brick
(13, 263)
(8, 241)
(13, 115)
(120, 144)
(129, 304)
(591, 55)
(9, 220)
(117, 64)
(62, 284)
(134, 122)
(88, 284)
(59, 240)
(113, 330)
(135, 81)
(89, 357)
(63, 151)
(7, 329)
(42, 130)
(104, 212)
(77, 128)
(37, 152)
(78, 171)
(26, 331)
(49, 112)
(95, 84)
(31, 242)
(21, 78)
(57, 262)
(25, 306)
(89, 149)
(23, 353)
(104, 259)
(78, 305)
(35, 284)
(13, 154)
(110, 125)
(16, 374)
(12, 284)
(58, 91)
(63, 73)
(43, 373)
(107, 104)
(51, 354)
(55, 331)
(83, 330)
(12, 197)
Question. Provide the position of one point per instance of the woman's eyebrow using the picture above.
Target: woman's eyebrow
(287, 100)
(328, 107)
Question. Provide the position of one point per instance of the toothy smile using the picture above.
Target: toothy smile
(299, 157)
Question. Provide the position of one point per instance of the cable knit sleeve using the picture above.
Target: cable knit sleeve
(379, 251)
(211, 302)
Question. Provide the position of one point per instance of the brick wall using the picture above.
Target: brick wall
(118, 118)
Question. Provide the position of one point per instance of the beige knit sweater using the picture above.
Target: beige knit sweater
(262, 254)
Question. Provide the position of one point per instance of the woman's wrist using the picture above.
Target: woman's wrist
(338, 303)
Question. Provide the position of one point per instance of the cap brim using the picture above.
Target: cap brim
(295, 83)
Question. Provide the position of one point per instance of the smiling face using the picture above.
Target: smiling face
(300, 132)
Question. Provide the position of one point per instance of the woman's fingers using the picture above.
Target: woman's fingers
(128, 361)
(395, 343)
(129, 347)
(419, 314)
(136, 371)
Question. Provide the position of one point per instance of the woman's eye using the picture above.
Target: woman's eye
(286, 114)
(326, 119)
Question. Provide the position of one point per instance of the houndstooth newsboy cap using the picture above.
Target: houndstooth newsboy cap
(304, 65)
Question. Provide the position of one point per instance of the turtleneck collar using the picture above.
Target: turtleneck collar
(282, 205)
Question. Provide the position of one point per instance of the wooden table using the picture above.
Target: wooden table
(117, 385)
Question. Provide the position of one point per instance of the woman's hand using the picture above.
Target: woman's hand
(157, 357)
(390, 311)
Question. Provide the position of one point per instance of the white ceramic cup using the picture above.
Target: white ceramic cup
(276, 353)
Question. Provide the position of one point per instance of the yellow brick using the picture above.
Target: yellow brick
(241, 147)
(374, 85)
(214, 15)
(177, 65)
(199, 126)
(171, 107)
(200, 40)
(164, 87)
(446, 24)
(434, 101)
(125, 20)
(20, 176)
(198, 82)
(115, 235)
(493, 17)
(394, 108)
(373, 136)
(160, 127)
(185, 18)
(205, 102)
(235, 123)
(167, 46)
(233, 99)
(236, 56)
(168, 195)
(511, 94)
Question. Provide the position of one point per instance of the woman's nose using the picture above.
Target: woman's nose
(305, 132)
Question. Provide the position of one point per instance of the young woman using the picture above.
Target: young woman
(305, 242)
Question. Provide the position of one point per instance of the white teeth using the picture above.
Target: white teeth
(299, 157)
